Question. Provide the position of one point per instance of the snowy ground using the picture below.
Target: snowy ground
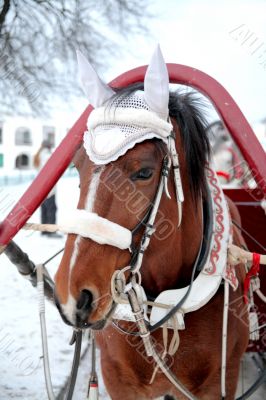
(21, 370)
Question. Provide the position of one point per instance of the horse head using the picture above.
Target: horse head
(134, 134)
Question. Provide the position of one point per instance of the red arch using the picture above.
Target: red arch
(59, 161)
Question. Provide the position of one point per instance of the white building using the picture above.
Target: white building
(20, 139)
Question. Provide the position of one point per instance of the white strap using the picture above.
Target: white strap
(224, 339)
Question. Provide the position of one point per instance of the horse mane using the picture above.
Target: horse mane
(187, 110)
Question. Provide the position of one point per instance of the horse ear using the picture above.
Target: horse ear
(95, 89)
(156, 84)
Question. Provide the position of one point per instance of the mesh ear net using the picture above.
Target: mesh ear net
(117, 127)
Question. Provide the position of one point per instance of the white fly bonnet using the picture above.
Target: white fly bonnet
(116, 125)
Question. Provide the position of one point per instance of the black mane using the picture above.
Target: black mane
(186, 109)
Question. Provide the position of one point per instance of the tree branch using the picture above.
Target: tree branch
(3, 13)
(38, 41)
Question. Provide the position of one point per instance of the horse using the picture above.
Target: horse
(121, 191)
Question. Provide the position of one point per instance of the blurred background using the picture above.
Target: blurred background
(40, 99)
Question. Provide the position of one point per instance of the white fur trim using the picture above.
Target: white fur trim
(129, 116)
(113, 156)
(102, 231)
(106, 140)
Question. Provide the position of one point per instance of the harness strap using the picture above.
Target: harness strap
(93, 382)
(173, 346)
(135, 267)
(145, 335)
(47, 372)
(152, 328)
(224, 339)
(76, 338)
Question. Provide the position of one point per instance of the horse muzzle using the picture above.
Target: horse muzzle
(78, 313)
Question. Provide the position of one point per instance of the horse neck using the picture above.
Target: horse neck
(169, 261)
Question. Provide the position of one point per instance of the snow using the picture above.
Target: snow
(21, 369)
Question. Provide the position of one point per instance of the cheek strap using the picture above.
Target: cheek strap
(98, 229)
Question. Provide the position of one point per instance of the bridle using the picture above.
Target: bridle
(170, 159)
(130, 288)
(139, 251)
(119, 282)
(136, 250)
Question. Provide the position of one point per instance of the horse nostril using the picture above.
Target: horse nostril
(85, 300)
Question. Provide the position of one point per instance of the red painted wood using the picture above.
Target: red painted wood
(253, 219)
(59, 161)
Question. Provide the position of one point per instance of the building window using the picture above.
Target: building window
(1, 160)
(49, 134)
(23, 137)
(22, 161)
(1, 132)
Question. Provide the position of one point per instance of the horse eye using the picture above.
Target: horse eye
(143, 174)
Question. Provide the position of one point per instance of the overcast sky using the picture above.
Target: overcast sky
(215, 36)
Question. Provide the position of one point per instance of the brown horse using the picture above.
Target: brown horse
(121, 192)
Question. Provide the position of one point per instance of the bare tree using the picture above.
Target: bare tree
(38, 39)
